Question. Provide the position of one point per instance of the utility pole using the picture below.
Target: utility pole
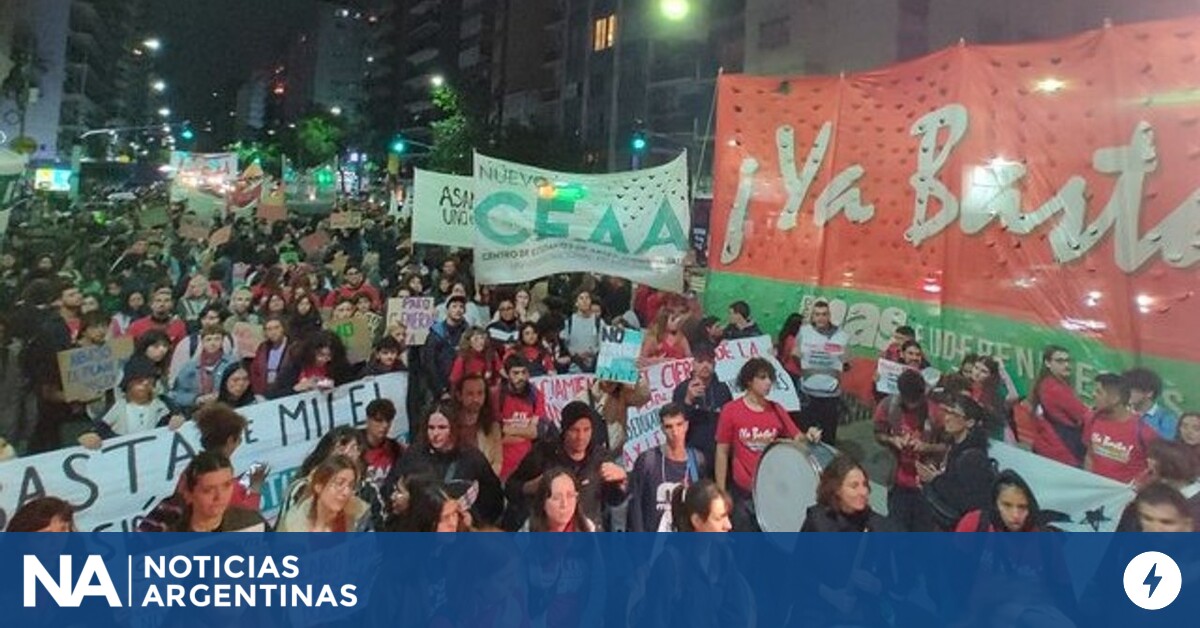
(615, 97)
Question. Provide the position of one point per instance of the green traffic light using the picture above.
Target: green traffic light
(187, 134)
(639, 143)
(399, 146)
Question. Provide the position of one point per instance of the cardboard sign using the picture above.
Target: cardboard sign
(246, 338)
(272, 207)
(87, 373)
(221, 236)
(619, 352)
(345, 220)
(356, 335)
(193, 228)
(417, 314)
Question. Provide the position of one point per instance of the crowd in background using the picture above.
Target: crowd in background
(484, 454)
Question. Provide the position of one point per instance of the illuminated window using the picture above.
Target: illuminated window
(604, 33)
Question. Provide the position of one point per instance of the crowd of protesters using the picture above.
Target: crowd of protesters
(484, 454)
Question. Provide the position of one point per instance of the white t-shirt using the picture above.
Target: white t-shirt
(129, 418)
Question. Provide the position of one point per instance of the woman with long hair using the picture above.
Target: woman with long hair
(665, 339)
(331, 504)
(133, 307)
(988, 389)
(234, 387)
(1189, 432)
(476, 420)
(786, 345)
(341, 441)
(320, 364)
(555, 506)
(304, 318)
(1012, 508)
(424, 506)
(475, 357)
(701, 507)
(1061, 416)
(44, 514)
(529, 346)
(843, 501)
(437, 452)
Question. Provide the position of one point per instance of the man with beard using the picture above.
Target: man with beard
(356, 284)
(55, 333)
(161, 317)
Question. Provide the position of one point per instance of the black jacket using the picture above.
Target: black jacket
(460, 463)
(966, 483)
(437, 356)
(594, 493)
(702, 417)
(824, 519)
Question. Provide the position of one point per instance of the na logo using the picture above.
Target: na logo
(93, 581)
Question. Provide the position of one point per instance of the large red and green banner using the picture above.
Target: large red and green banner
(997, 198)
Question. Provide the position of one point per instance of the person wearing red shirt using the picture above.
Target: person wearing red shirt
(904, 424)
(1061, 415)
(1115, 437)
(162, 304)
(518, 407)
(356, 284)
(745, 428)
(475, 357)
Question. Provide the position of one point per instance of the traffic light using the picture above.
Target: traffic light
(186, 133)
(639, 142)
(399, 145)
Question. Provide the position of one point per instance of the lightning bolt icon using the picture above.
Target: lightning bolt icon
(1152, 580)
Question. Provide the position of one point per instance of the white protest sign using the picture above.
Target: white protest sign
(820, 353)
(733, 354)
(532, 223)
(887, 373)
(442, 209)
(345, 220)
(417, 314)
(619, 352)
(113, 487)
(559, 390)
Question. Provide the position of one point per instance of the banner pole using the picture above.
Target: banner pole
(712, 113)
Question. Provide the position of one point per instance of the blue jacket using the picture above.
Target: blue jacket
(187, 385)
(1162, 420)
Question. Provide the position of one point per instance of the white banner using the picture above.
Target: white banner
(1084, 501)
(531, 223)
(113, 487)
(442, 209)
(733, 354)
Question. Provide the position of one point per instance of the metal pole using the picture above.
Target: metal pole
(614, 102)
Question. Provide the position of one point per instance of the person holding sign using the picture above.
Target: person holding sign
(822, 350)
(744, 430)
(659, 471)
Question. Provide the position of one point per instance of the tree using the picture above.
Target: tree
(317, 140)
(22, 81)
(455, 135)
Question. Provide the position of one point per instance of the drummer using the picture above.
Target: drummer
(745, 428)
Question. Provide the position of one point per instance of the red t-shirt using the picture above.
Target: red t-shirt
(910, 423)
(748, 433)
(1117, 448)
(1059, 406)
(516, 411)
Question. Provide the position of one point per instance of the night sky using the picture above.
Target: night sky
(209, 44)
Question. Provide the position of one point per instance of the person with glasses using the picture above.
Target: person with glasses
(331, 504)
(556, 505)
(962, 481)
(1060, 414)
(355, 284)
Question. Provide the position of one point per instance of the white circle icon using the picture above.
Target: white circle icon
(1152, 580)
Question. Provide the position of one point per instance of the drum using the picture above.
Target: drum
(786, 483)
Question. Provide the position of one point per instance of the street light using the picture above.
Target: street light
(164, 112)
(437, 80)
(152, 44)
(159, 86)
(675, 10)
(335, 110)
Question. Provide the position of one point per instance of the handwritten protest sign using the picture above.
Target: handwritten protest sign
(619, 351)
(356, 335)
(272, 207)
(733, 354)
(417, 314)
(246, 338)
(886, 375)
(89, 372)
(113, 487)
(345, 220)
